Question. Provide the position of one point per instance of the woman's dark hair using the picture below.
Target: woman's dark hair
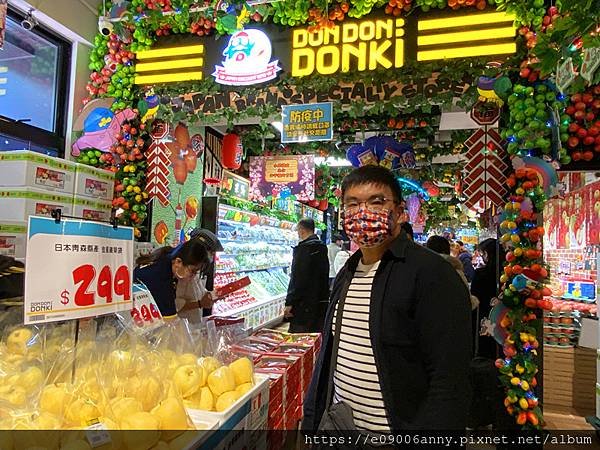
(490, 247)
(377, 175)
(439, 244)
(346, 246)
(191, 253)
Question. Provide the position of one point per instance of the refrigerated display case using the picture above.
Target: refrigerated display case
(258, 247)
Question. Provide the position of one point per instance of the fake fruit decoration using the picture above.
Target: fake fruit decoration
(532, 110)
(528, 12)
(130, 174)
(397, 7)
(584, 131)
(426, 5)
(523, 292)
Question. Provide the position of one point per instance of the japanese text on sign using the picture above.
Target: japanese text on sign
(89, 274)
(281, 171)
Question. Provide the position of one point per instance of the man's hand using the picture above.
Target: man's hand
(207, 301)
(287, 312)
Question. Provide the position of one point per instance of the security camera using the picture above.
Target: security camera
(29, 22)
(105, 27)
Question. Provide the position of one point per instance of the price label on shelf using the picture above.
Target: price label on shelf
(76, 269)
(144, 315)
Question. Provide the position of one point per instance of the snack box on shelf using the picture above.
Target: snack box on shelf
(24, 168)
(17, 204)
(287, 366)
(313, 339)
(292, 415)
(94, 183)
(89, 209)
(274, 335)
(13, 239)
(306, 355)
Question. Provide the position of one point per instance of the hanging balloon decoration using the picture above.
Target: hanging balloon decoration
(384, 151)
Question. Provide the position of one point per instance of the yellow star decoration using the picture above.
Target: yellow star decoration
(105, 121)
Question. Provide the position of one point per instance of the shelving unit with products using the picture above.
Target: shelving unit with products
(260, 248)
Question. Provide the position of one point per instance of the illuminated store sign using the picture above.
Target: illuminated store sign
(247, 60)
(358, 46)
(163, 65)
(259, 53)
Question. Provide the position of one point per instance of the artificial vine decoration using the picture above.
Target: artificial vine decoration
(523, 292)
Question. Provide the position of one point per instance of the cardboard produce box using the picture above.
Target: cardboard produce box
(24, 168)
(91, 182)
(17, 204)
(89, 209)
(13, 239)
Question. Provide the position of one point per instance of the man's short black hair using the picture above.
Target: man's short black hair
(307, 224)
(460, 243)
(407, 227)
(376, 175)
(439, 244)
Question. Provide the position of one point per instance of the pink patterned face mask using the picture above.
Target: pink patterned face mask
(368, 228)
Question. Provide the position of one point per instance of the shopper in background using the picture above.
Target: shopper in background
(485, 287)
(396, 341)
(163, 269)
(332, 250)
(196, 293)
(341, 258)
(441, 245)
(308, 291)
(408, 229)
(466, 259)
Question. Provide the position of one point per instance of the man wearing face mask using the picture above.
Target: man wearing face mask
(194, 296)
(397, 336)
(308, 290)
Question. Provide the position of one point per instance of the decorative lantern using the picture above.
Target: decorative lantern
(232, 151)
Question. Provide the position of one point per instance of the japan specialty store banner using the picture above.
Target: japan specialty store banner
(273, 177)
(307, 123)
(76, 269)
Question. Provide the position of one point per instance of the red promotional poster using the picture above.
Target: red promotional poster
(576, 209)
(592, 212)
(552, 223)
(563, 223)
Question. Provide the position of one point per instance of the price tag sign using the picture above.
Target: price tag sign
(144, 315)
(76, 269)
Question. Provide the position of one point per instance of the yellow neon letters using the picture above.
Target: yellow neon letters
(360, 46)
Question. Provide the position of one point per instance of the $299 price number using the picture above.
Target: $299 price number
(105, 284)
(145, 314)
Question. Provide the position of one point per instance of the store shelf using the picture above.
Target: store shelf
(250, 306)
(271, 323)
(222, 271)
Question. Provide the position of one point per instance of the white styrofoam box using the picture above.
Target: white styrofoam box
(13, 239)
(24, 168)
(17, 204)
(89, 209)
(249, 412)
(94, 183)
(589, 333)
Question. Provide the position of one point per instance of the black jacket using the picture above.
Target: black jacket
(421, 336)
(309, 280)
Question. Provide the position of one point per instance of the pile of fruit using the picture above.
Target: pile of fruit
(584, 130)
(531, 120)
(129, 385)
(323, 19)
(400, 123)
(203, 27)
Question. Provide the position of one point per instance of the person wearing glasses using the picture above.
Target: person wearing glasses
(397, 336)
(163, 269)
